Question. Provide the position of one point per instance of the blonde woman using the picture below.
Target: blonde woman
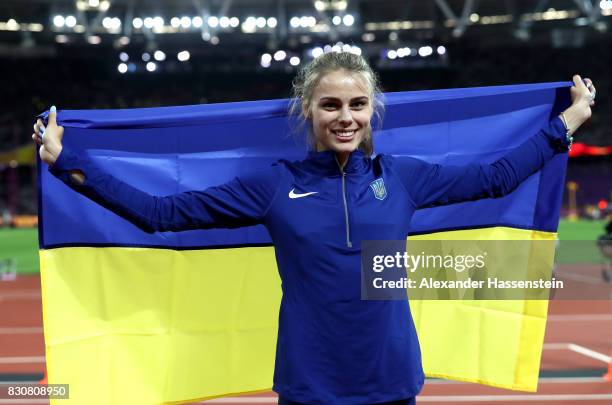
(333, 347)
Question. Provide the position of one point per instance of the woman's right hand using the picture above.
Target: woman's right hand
(49, 139)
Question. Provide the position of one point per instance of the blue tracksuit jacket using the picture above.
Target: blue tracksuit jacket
(333, 348)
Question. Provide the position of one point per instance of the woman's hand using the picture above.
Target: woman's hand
(49, 139)
(583, 98)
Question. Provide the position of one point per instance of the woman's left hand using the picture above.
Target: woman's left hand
(583, 98)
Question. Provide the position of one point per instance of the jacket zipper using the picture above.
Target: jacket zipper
(346, 217)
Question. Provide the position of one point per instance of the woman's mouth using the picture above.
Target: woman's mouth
(344, 133)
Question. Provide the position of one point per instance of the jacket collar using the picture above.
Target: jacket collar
(326, 162)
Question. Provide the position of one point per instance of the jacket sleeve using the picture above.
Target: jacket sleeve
(433, 184)
(243, 201)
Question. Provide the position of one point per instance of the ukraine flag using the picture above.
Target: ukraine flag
(131, 317)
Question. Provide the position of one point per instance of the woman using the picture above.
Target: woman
(333, 348)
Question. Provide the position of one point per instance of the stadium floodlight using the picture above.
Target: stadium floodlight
(175, 22)
(214, 40)
(61, 39)
(337, 20)
(368, 37)
(148, 22)
(294, 22)
(320, 5)
(196, 21)
(94, 3)
(158, 22)
(272, 22)
(123, 41)
(441, 50)
(304, 21)
(280, 55)
(137, 23)
(122, 68)
(234, 22)
(59, 21)
(294, 61)
(185, 22)
(70, 21)
(264, 64)
(104, 5)
(260, 22)
(159, 56)
(81, 5)
(474, 17)
(327, 48)
(401, 52)
(213, 21)
(316, 52)
(94, 39)
(183, 56)
(146, 57)
(605, 5)
(266, 57)
(356, 50)
(425, 51)
(124, 57)
(346, 48)
(224, 22)
(106, 23)
(249, 24)
(392, 54)
(336, 48)
(151, 66)
(348, 20)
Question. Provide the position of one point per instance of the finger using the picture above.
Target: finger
(52, 120)
(579, 84)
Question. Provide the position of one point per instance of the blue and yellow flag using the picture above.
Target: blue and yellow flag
(131, 317)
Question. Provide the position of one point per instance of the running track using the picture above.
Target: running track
(577, 350)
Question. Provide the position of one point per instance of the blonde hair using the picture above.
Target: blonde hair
(309, 76)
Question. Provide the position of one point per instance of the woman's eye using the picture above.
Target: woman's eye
(359, 104)
(329, 106)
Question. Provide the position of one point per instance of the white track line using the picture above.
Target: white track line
(589, 353)
(556, 346)
(33, 330)
(513, 398)
(22, 360)
(580, 317)
(579, 277)
(541, 380)
(20, 295)
(444, 398)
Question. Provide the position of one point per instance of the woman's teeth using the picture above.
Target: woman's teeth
(345, 134)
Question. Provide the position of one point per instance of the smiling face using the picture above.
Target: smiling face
(340, 110)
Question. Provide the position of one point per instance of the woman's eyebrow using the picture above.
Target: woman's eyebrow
(331, 98)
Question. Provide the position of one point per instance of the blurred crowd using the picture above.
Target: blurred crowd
(73, 80)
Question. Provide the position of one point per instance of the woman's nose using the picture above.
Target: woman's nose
(345, 116)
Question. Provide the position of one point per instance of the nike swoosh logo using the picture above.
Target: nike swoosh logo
(294, 195)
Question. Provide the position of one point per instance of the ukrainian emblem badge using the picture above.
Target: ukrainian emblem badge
(378, 187)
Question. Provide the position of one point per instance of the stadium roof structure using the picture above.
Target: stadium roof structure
(29, 27)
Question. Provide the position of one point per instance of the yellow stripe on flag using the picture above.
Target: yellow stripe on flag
(493, 342)
(151, 326)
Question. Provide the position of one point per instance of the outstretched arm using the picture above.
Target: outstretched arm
(241, 202)
(434, 184)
